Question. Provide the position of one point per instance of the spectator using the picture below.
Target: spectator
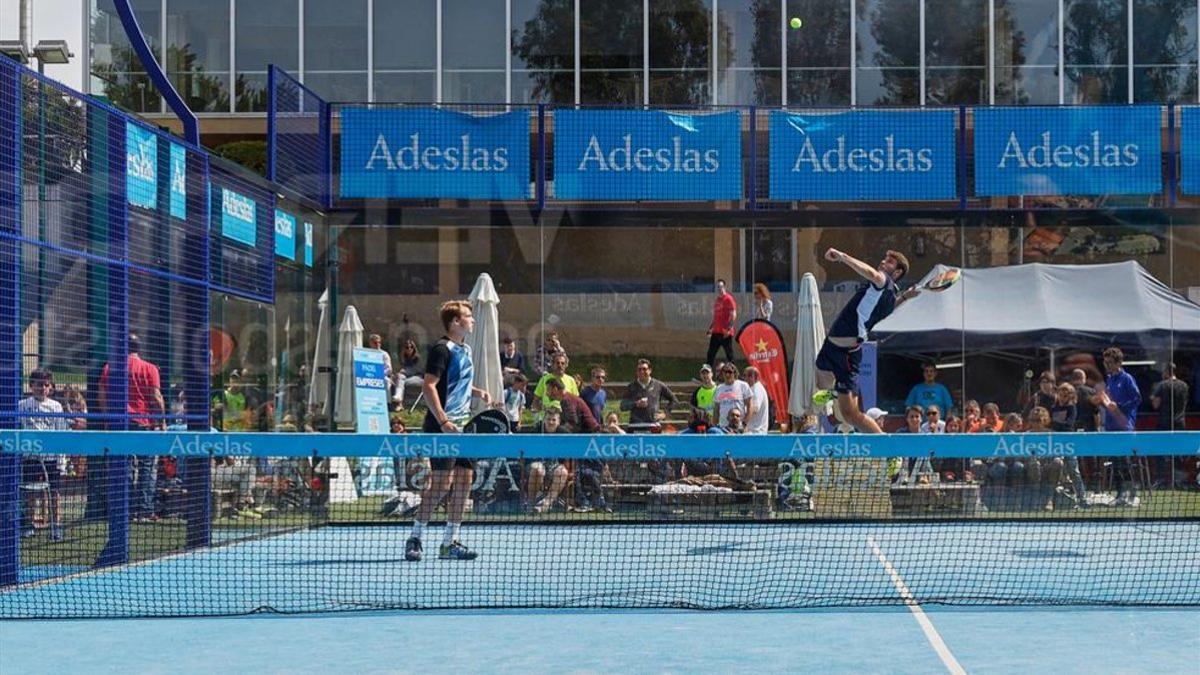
(1169, 397)
(590, 477)
(238, 476)
(374, 341)
(734, 423)
(543, 358)
(930, 392)
(913, 421)
(557, 471)
(514, 400)
(934, 424)
(229, 405)
(703, 398)
(644, 395)
(1038, 420)
(972, 417)
(45, 469)
(763, 307)
(954, 424)
(144, 396)
(576, 417)
(758, 419)
(732, 394)
(1088, 414)
(1065, 409)
(77, 404)
(1013, 424)
(720, 331)
(1118, 401)
(558, 368)
(595, 394)
(1045, 395)
(612, 424)
(992, 422)
(700, 423)
(511, 360)
(809, 424)
(411, 376)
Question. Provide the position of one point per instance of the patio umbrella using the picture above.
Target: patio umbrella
(484, 341)
(810, 335)
(350, 335)
(318, 386)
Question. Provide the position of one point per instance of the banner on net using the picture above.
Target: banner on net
(285, 235)
(1189, 178)
(434, 153)
(647, 155)
(1098, 150)
(863, 155)
(141, 166)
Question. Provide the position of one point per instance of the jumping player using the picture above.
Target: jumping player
(448, 392)
(840, 356)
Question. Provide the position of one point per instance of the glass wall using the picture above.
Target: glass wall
(543, 51)
(405, 50)
(267, 32)
(335, 53)
(818, 53)
(956, 52)
(610, 52)
(473, 50)
(1026, 36)
(116, 71)
(749, 62)
(889, 52)
(1095, 44)
(1164, 51)
(680, 44)
(198, 53)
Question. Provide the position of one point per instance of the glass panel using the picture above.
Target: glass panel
(610, 42)
(889, 51)
(405, 50)
(680, 51)
(1026, 35)
(267, 32)
(198, 53)
(956, 35)
(416, 87)
(1106, 84)
(473, 50)
(819, 53)
(1031, 85)
(749, 59)
(543, 48)
(1164, 85)
(1094, 49)
(116, 71)
(335, 48)
(1164, 51)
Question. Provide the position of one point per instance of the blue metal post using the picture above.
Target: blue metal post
(326, 132)
(271, 123)
(10, 317)
(1172, 158)
(541, 151)
(962, 158)
(753, 186)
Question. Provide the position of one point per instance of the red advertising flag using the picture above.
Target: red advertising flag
(762, 343)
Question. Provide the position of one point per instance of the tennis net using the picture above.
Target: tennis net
(106, 524)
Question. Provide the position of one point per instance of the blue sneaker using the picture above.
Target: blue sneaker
(412, 550)
(456, 551)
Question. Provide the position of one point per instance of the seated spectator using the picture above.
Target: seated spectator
(556, 470)
(511, 360)
(543, 358)
(612, 424)
(1013, 423)
(1065, 408)
(594, 393)
(913, 420)
(930, 392)
(411, 376)
(700, 423)
(954, 425)
(644, 395)
(238, 476)
(732, 394)
(515, 400)
(576, 415)
(972, 417)
(933, 423)
(992, 422)
(734, 424)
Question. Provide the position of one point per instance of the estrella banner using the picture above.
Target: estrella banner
(308, 245)
(141, 166)
(178, 183)
(1189, 178)
(370, 391)
(647, 154)
(762, 343)
(1095, 150)
(239, 217)
(285, 235)
(429, 152)
(863, 155)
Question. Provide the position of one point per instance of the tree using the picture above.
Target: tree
(1094, 49)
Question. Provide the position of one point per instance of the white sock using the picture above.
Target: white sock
(418, 528)
(451, 534)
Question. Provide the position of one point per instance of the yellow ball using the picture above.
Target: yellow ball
(795, 22)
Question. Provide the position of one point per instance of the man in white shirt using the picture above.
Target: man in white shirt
(43, 469)
(732, 394)
(933, 424)
(760, 419)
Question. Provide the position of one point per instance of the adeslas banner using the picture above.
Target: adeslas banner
(434, 153)
(1096, 150)
(863, 155)
(1189, 177)
(647, 155)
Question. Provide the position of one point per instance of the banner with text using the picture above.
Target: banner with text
(647, 155)
(141, 166)
(432, 153)
(1098, 150)
(370, 391)
(863, 155)
(1189, 155)
(762, 343)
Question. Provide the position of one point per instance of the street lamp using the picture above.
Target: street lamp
(15, 50)
(52, 51)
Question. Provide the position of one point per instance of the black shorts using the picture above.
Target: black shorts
(430, 426)
(34, 471)
(843, 363)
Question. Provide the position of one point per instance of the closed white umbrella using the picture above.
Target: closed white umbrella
(810, 335)
(318, 384)
(484, 341)
(350, 335)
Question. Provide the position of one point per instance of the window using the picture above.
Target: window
(266, 33)
(889, 52)
(198, 53)
(1094, 50)
(610, 46)
(749, 53)
(956, 41)
(1164, 51)
(116, 71)
(1026, 52)
(335, 48)
(818, 53)
(681, 51)
(406, 50)
(473, 50)
(543, 51)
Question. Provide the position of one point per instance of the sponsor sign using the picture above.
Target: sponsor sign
(308, 245)
(239, 217)
(1189, 156)
(141, 166)
(763, 346)
(370, 391)
(863, 155)
(428, 152)
(647, 155)
(285, 235)
(178, 182)
(1099, 150)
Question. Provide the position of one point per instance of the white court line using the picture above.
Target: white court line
(931, 634)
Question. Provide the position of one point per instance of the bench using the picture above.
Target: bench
(948, 498)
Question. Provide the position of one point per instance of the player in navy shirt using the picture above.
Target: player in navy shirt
(448, 391)
(840, 356)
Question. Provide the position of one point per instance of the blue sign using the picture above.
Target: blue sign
(308, 245)
(428, 152)
(178, 181)
(863, 155)
(239, 217)
(141, 166)
(1102, 150)
(285, 235)
(647, 154)
(370, 391)
(1189, 179)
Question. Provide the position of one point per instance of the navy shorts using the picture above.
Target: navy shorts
(843, 363)
(430, 426)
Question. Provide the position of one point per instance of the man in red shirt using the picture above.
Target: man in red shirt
(145, 398)
(720, 331)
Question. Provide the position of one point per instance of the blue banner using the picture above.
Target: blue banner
(308, 245)
(370, 391)
(285, 235)
(141, 166)
(178, 183)
(647, 154)
(1102, 150)
(239, 217)
(863, 155)
(418, 153)
(1189, 155)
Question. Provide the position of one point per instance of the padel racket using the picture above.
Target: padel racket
(491, 421)
(944, 280)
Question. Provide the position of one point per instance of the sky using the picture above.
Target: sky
(52, 20)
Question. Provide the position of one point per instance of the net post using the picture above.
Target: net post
(197, 485)
(10, 515)
(10, 317)
(117, 485)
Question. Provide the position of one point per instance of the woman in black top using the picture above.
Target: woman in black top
(1065, 409)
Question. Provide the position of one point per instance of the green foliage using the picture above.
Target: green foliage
(250, 154)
